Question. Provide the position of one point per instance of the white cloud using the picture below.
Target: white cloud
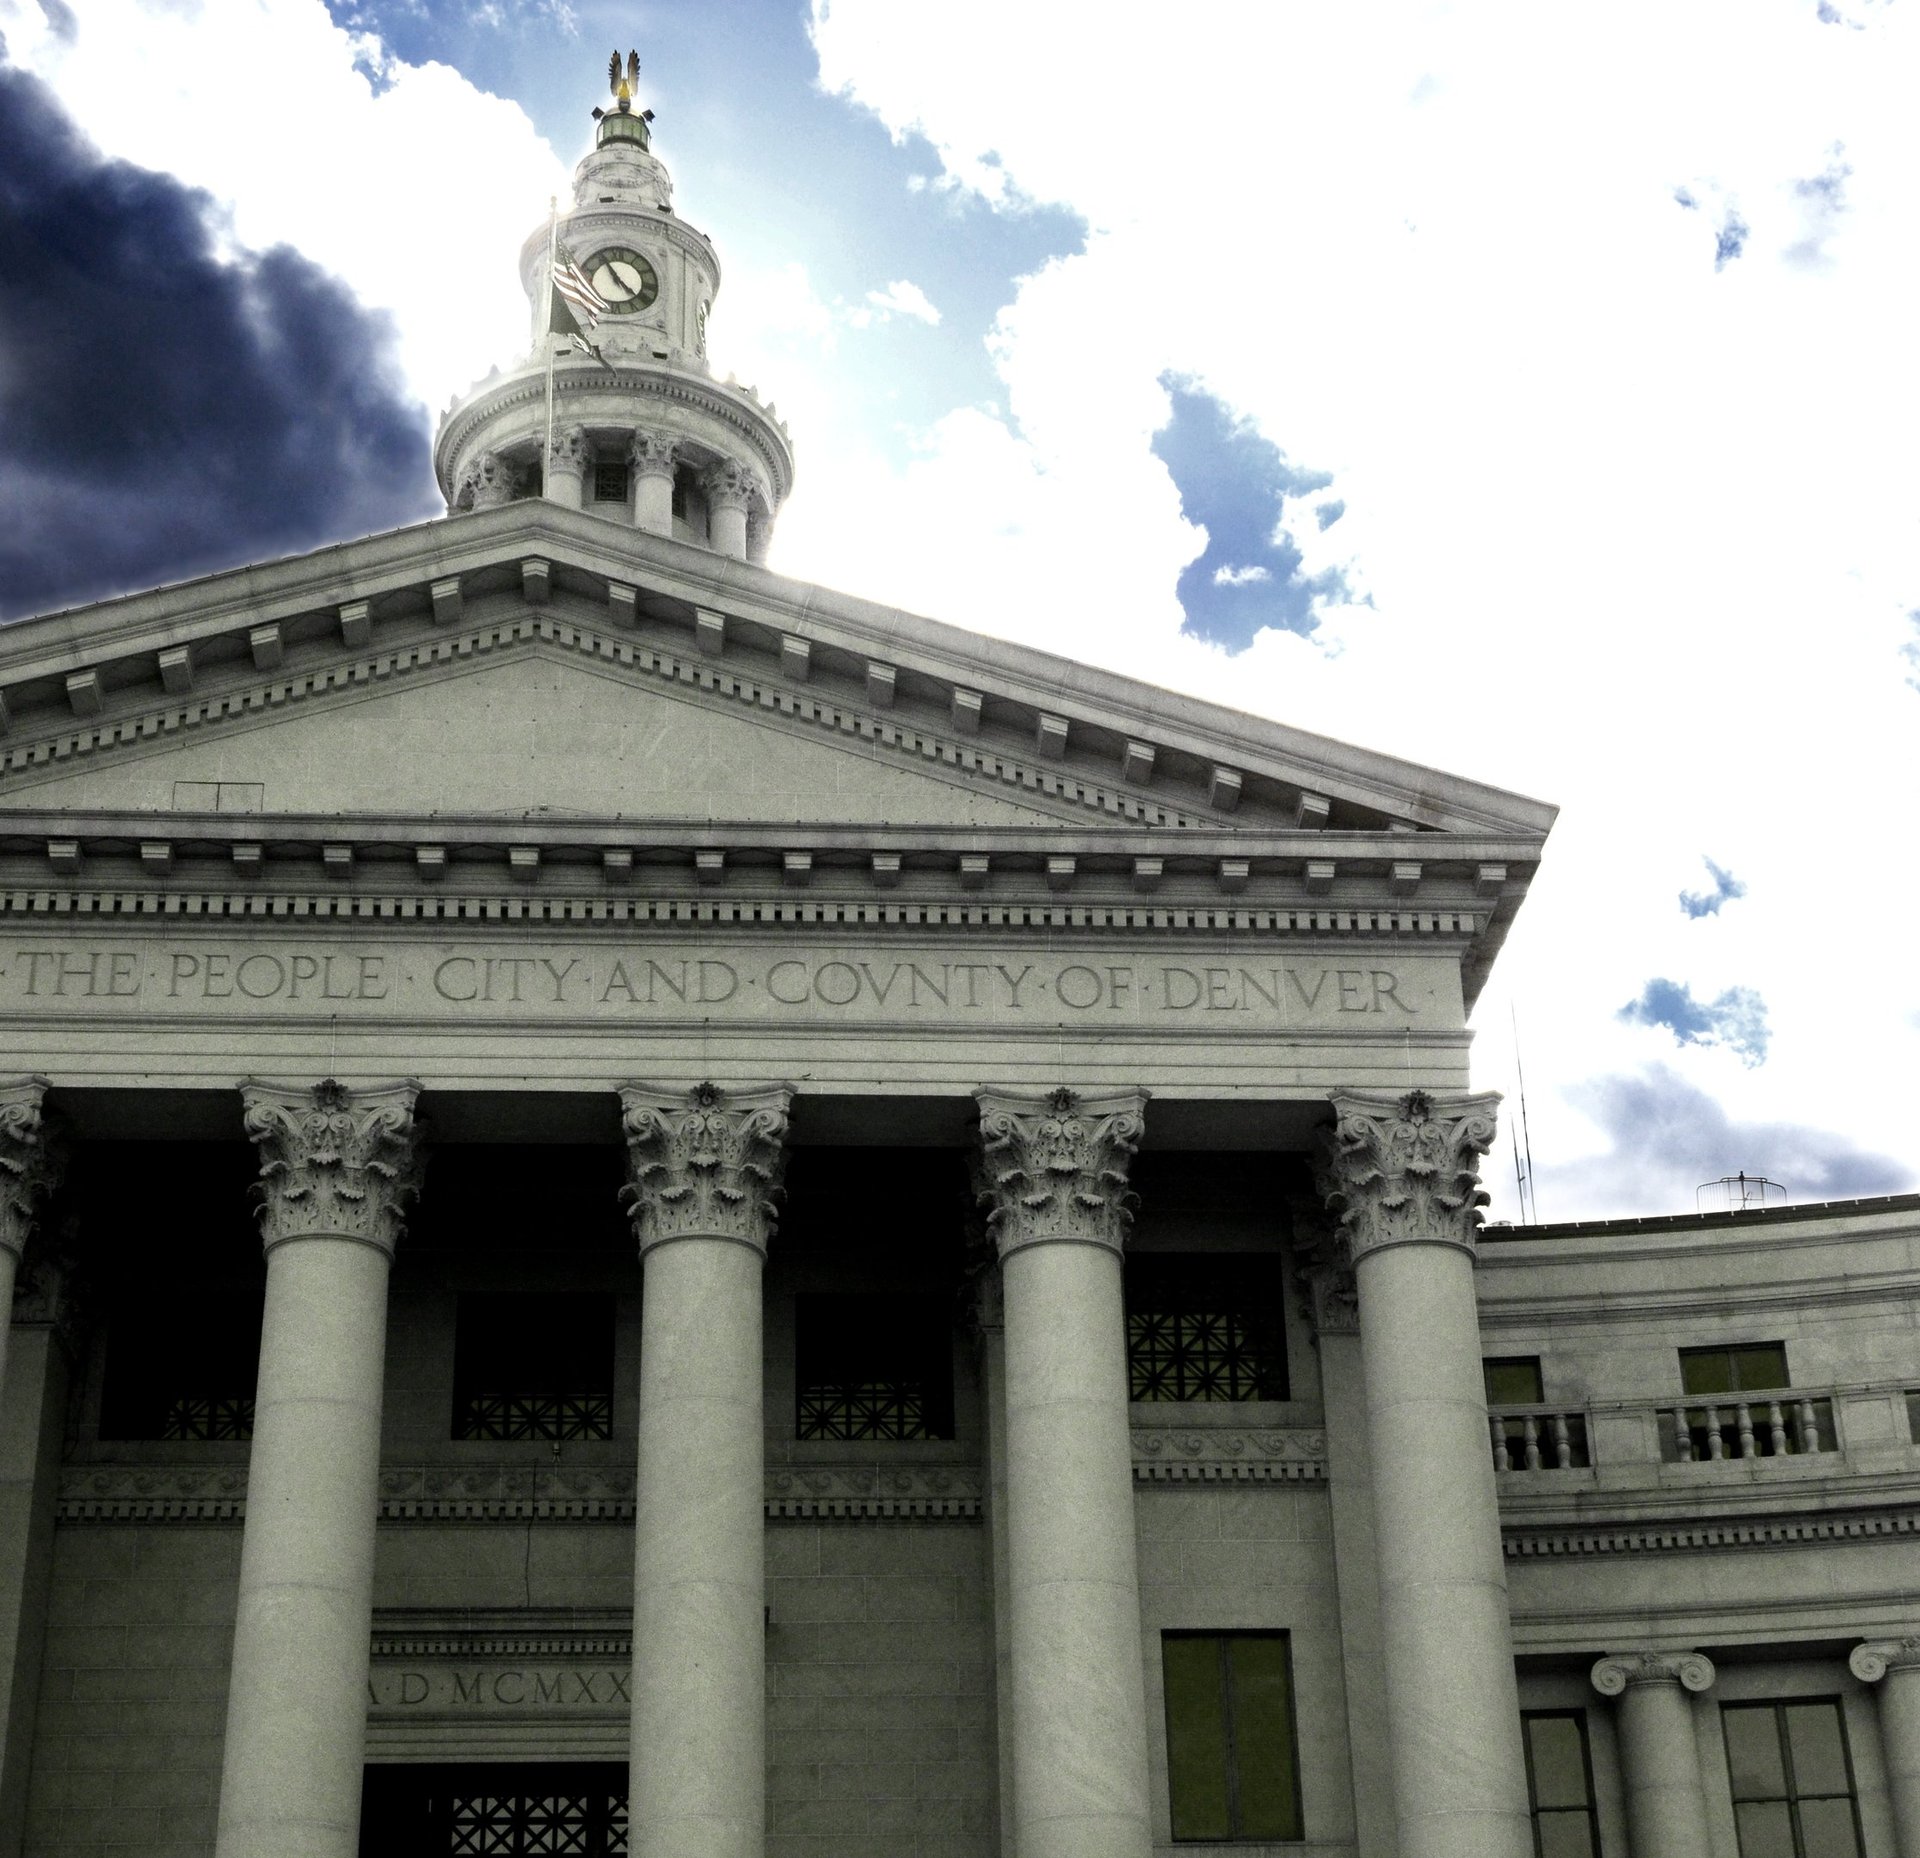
(901, 298)
(1225, 576)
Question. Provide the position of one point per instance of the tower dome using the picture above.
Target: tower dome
(614, 409)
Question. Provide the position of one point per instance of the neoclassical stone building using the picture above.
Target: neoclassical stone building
(659, 1210)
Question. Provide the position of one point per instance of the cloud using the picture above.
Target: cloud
(1667, 1137)
(1821, 200)
(172, 411)
(1736, 1019)
(901, 298)
(1726, 887)
(1731, 240)
(1224, 576)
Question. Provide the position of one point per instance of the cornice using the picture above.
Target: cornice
(1617, 1307)
(1682, 1538)
(732, 406)
(217, 1493)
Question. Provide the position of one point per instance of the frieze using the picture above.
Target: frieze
(214, 976)
(1207, 1455)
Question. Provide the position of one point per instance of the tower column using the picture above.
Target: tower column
(1894, 1666)
(28, 1173)
(568, 461)
(704, 1168)
(1055, 1170)
(1401, 1173)
(336, 1165)
(653, 456)
(1666, 1800)
(729, 489)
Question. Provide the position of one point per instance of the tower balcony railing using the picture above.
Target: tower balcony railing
(1874, 1423)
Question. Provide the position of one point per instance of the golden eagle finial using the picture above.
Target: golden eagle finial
(622, 87)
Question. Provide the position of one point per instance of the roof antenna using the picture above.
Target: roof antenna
(1522, 1178)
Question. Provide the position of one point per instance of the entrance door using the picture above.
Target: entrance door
(524, 1809)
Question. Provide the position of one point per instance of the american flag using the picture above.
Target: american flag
(576, 305)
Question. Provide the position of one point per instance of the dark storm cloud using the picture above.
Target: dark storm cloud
(1726, 887)
(1668, 1138)
(1736, 1019)
(163, 413)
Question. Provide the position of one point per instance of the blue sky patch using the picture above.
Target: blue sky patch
(1726, 887)
(1234, 483)
(1735, 1020)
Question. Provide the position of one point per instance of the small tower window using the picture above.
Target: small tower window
(610, 481)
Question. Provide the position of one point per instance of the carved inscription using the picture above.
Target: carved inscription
(209, 975)
(489, 1689)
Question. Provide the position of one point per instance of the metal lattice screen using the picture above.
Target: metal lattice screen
(1205, 1327)
(494, 1810)
(874, 1367)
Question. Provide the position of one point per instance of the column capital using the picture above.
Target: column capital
(489, 481)
(1323, 1267)
(729, 486)
(569, 451)
(704, 1163)
(1054, 1167)
(652, 454)
(334, 1163)
(1873, 1660)
(30, 1165)
(1404, 1170)
(1691, 1670)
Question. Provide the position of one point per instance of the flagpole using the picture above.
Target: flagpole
(553, 242)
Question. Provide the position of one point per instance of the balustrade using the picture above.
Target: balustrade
(1773, 1425)
(1538, 1438)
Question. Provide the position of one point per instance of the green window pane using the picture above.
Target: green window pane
(1766, 1830)
(1819, 1752)
(1565, 1835)
(1559, 1762)
(1262, 1697)
(1196, 1738)
(1753, 1756)
(1706, 1371)
(1764, 1366)
(1514, 1382)
(1826, 1828)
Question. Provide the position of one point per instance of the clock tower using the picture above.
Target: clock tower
(636, 428)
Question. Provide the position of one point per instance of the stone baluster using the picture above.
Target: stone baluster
(336, 1168)
(1401, 1174)
(653, 456)
(29, 1171)
(1055, 1174)
(730, 489)
(569, 459)
(1659, 1758)
(705, 1168)
(1893, 1665)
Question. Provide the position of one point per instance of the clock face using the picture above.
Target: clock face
(624, 278)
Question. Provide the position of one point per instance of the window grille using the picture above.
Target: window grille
(1205, 1328)
(495, 1810)
(191, 1418)
(533, 1366)
(873, 1367)
(182, 1362)
(1233, 1768)
(1560, 1783)
(609, 481)
(1792, 1775)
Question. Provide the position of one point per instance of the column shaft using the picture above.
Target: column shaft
(653, 502)
(993, 1378)
(1893, 1666)
(1666, 1808)
(1080, 1752)
(1453, 1705)
(728, 528)
(296, 1705)
(699, 1595)
(336, 1165)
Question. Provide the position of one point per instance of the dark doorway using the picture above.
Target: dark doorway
(501, 1809)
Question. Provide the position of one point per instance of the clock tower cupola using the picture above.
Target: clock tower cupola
(615, 409)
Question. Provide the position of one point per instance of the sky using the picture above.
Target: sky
(1527, 391)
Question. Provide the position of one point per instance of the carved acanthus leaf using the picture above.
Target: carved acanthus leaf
(653, 454)
(489, 482)
(729, 486)
(1323, 1267)
(1405, 1170)
(569, 451)
(1055, 1167)
(704, 1163)
(334, 1162)
(30, 1162)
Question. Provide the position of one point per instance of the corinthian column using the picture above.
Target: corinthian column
(1401, 1174)
(705, 1168)
(1894, 1665)
(28, 1173)
(652, 456)
(1666, 1801)
(336, 1166)
(569, 459)
(729, 489)
(1055, 1169)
